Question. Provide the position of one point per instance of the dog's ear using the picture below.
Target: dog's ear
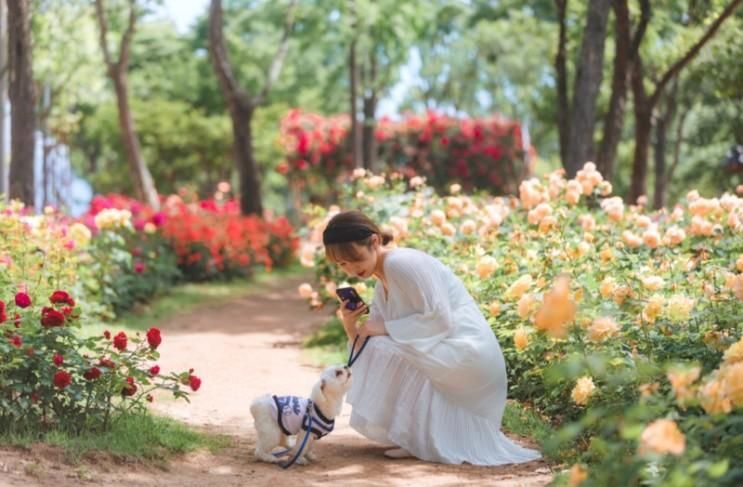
(322, 385)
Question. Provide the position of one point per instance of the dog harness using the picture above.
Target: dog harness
(291, 413)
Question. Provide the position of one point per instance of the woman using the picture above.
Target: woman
(432, 381)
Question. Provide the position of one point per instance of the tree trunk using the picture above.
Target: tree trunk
(144, 186)
(369, 112)
(356, 135)
(143, 182)
(242, 106)
(662, 122)
(586, 88)
(3, 88)
(563, 100)
(643, 127)
(22, 100)
(614, 119)
(247, 169)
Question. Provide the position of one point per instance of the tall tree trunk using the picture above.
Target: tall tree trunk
(356, 135)
(130, 141)
(563, 99)
(643, 115)
(587, 83)
(3, 89)
(242, 106)
(626, 48)
(144, 186)
(369, 113)
(22, 101)
(662, 122)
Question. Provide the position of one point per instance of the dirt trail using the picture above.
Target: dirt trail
(241, 349)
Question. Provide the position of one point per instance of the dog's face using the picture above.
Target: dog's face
(334, 382)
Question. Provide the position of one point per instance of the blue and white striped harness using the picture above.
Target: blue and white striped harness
(293, 414)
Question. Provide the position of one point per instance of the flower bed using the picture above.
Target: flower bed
(620, 325)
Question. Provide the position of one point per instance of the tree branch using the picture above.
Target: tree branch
(645, 14)
(103, 33)
(220, 58)
(679, 65)
(278, 61)
(126, 39)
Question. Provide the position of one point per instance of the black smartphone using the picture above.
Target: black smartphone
(349, 294)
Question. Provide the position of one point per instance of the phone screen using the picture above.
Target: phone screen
(349, 294)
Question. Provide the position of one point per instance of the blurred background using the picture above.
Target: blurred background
(279, 98)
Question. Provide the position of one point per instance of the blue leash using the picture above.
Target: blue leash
(308, 415)
(351, 357)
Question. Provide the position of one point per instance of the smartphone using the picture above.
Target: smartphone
(349, 294)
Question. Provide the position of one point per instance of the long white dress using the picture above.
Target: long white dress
(436, 386)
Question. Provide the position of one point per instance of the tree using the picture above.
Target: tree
(626, 47)
(645, 104)
(242, 105)
(3, 88)
(581, 113)
(117, 71)
(22, 101)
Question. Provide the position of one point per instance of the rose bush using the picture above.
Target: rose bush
(620, 325)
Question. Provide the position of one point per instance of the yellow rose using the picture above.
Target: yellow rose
(525, 306)
(734, 354)
(518, 288)
(653, 283)
(713, 397)
(681, 380)
(558, 309)
(438, 217)
(607, 287)
(662, 436)
(578, 475)
(80, 234)
(583, 390)
(486, 266)
(734, 383)
(653, 308)
(494, 308)
(448, 230)
(602, 328)
(521, 339)
(305, 290)
(679, 308)
(468, 227)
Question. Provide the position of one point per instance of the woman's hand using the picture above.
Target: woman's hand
(350, 317)
(372, 328)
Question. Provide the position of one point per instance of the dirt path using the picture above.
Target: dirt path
(242, 349)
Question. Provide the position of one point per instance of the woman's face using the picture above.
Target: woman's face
(364, 267)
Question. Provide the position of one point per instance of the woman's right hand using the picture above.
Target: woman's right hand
(351, 316)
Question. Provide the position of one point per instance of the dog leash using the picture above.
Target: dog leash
(287, 464)
(351, 357)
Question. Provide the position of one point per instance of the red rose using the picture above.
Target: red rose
(22, 300)
(107, 362)
(120, 341)
(58, 359)
(51, 317)
(150, 398)
(3, 316)
(153, 337)
(130, 388)
(92, 374)
(62, 379)
(67, 310)
(194, 382)
(154, 370)
(16, 341)
(61, 297)
(107, 334)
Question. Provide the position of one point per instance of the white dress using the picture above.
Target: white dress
(436, 386)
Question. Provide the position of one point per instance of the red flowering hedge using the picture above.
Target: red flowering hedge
(212, 239)
(479, 153)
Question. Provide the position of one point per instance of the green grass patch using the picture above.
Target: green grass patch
(327, 345)
(146, 438)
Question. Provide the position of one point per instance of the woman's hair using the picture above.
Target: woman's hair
(350, 222)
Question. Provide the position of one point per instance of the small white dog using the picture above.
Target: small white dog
(276, 418)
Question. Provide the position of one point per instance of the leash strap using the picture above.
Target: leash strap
(351, 357)
(306, 438)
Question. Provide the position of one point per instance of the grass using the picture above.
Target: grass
(146, 438)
